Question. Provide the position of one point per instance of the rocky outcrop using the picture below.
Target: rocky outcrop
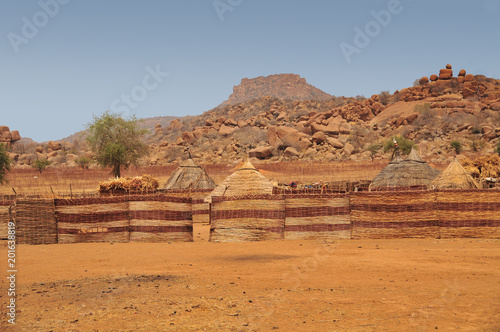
(8, 137)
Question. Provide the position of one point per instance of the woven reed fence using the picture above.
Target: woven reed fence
(471, 213)
(4, 218)
(99, 219)
(247, 218)
(322, 217)
(386, 215)
(35, 221)
(160, 218)
(200, 208)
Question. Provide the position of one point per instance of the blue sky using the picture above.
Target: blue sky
(64, 60)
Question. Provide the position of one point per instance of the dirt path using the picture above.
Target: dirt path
(364, 285)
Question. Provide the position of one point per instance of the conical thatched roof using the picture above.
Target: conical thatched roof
(189, 176)
(454, 177)
(412, 171)
(247, 180)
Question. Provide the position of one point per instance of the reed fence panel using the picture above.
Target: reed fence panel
(469, 214)
(386, 215)
(318, 217)
(35, 221)
(160, 218)
(247, 218)
(100, 219)
(4, 218)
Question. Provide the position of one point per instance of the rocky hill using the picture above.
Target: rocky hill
(280, 86)
(265, 123)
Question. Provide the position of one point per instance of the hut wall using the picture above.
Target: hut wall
(322, 217)
(247, 218)
(469, 213)
(4, 218)
(35, 221)
(384, 215)
(103, 219)
(160, 218)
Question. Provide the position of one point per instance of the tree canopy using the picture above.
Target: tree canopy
(116, 142)
(4, 164)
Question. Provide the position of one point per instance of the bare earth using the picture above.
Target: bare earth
(348, 285)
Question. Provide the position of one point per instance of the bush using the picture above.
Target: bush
(40, 165)
(405, 145)
(497, 150)
(457, 146)
(83, 162)
(384, 97)
(374, 148)
(4, 164)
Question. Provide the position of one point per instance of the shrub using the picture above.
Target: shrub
(40, 165)
(384, 97)
(405, 145)
(374, 148)
(497, 150)
(83, 162)
(457, 146)
(4, 163)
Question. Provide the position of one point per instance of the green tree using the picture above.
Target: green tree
(457, 146)
(373, 148)
(405, 145)
(4, 164)
(40, 165)
(116, 142)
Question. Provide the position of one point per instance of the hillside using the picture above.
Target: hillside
(260, 120)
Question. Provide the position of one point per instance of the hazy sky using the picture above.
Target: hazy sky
(64, 60)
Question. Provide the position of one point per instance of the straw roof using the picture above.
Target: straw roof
(412, 171)
(247, 180)
(454, 177)
(189, 176)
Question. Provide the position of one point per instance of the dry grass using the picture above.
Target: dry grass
(62, 181)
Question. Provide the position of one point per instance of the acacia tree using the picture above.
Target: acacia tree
(116, 142)
(4, 164)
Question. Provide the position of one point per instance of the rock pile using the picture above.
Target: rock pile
(8, 137)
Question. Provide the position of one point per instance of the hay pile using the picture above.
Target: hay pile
(145, 183)
(483, 167)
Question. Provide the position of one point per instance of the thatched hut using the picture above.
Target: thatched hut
(247, 180)
(408, 173)
(454, 177)
(189, 175)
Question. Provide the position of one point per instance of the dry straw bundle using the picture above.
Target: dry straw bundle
(145, 183)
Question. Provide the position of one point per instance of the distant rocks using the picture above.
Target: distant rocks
(8, 137)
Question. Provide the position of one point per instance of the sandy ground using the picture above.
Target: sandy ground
(348, 285)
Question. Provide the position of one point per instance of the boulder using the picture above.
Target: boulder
(55, 146)
(15, 135)
(39, 149)
(462, 72)
(424, 80)
(319, 137)
(230, 122)
(348, 149)
(460, 79)
(448, 66)
(187, 136)
(262, 152)
(291, 152)
(469, 78)
(4, 129)
(226, 130)
(495, 106)
(6, 136)
(445, 74)
(175, 124)
(412, 117)
(433, 77)
(335, 143)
